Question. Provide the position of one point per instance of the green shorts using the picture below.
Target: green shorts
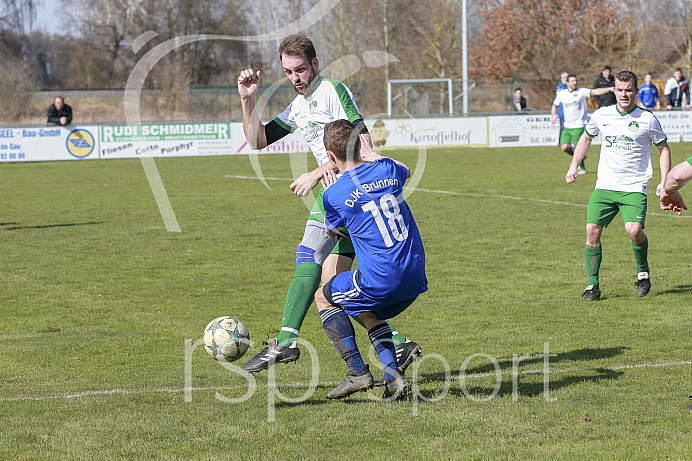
(571, 136)
(605, 204)
(344, 246)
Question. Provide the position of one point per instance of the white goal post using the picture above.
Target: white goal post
(412, 86)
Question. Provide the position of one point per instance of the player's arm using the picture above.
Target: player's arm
(553, 113)
(579, 155)
(678, 177)
(601, 91)
(248, 84)
(307, 181)
(675, 180)
(665, 162)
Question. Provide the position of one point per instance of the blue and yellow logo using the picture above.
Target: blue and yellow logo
(80, 143)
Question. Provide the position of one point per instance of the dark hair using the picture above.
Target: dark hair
(570, 76)
(677, 70)
(607, 68)
(517, 89)
(341, 138)
(297, 45)
(627, 76)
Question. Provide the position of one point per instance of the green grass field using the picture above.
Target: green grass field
(98, 299)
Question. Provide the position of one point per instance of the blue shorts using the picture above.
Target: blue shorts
(343, 290)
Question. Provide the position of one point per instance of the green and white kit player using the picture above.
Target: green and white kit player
(573, 102)
(319, 257)
(624, 170)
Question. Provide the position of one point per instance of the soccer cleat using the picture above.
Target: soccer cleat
(406, 353)
(352, 383)
(592, 293)
(395, 388)
(643, 283)
(581, 171)
(271, 355)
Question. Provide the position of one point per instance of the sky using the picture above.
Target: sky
(48, 17)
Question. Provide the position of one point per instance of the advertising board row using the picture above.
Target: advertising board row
(207, 139)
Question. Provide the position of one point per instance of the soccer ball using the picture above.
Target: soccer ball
(226, 339)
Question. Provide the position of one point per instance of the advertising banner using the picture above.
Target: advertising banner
(522, 130)
(677, 125)
(166, 140)
(429, 132)
(48, 143)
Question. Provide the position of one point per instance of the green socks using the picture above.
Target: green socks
(592, 257)
(299, 298)
(641, 251)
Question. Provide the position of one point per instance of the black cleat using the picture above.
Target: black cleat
(353, 383)
(643, 283)
(406, 353)
(592, 293)
(395, 388)
(271, 355)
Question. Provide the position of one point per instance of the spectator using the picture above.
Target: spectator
(605, 80)
(59, 113)
(519, 103)
(560, 112)
(647, 96)
(675, 87)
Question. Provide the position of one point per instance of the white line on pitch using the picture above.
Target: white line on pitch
(476, 194)
(300, 385)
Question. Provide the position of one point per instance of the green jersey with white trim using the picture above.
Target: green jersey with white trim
(329, 100)
(574, 106)
(625, 163)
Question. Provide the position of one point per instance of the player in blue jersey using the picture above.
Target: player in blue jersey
(318, 256)
(368, 200)
(647, 96)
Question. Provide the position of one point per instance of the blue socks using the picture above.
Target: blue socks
(340, 332)
(381, 338)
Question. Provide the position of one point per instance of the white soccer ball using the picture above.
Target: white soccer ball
(226, 339)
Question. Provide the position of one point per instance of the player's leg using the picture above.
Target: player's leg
(380, 335)
(634, 216)
(310, 255)
(599, 213)
(568, 141)
(338, 328)
(341, 260)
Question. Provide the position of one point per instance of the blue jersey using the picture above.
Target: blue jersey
(369, 201)
(648, 95)
(560, 111)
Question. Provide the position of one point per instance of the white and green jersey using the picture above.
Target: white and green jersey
(573, 105)
(329, 100)
(625, 163)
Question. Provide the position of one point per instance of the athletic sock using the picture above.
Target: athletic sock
(592, 257)
(641, 251)
(381, 338)
(340, 332)
(570, 152)
(299, 298)
(397, 338)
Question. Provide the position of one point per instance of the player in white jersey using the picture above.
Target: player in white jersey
(573, 103)
(319, 256)
(624, 170)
